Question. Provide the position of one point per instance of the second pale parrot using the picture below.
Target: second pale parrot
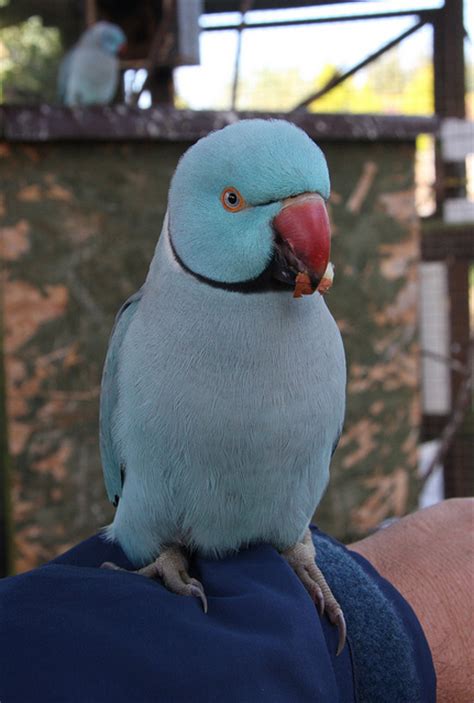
(89, 73)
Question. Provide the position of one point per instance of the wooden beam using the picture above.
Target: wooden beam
(45, 123)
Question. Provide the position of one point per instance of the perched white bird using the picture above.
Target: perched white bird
(89, 72)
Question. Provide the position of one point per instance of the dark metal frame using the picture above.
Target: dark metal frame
(455, 246)
(448, 35)
(320, 20)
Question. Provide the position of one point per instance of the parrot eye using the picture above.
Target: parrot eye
(232, 200)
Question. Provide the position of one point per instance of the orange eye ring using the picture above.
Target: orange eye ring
(232, 200)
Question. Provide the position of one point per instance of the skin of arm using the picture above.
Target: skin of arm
(428, 557)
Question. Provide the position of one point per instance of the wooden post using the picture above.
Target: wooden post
(448, 51)
(449, 88)
(90, 12)
(161, 57)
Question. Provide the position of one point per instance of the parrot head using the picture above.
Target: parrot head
(247, 208)
(106, 36)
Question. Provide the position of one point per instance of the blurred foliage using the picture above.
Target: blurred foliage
(29, 57)
(469, 77)
(353, 95)
(384, 87)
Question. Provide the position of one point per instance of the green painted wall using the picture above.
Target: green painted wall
(79, 226)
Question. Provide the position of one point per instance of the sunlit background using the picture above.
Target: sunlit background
(279, 66)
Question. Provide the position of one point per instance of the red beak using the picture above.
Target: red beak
(303, 225)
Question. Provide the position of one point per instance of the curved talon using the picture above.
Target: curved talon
(199, 593)
(196, 588)
(301, 557)
(341, 628)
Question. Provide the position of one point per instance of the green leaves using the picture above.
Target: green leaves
(29, 57)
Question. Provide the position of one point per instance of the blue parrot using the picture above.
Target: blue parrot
(89, 73)
(223, 397)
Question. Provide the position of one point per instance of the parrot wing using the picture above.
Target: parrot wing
(114, 470)
(64, 74)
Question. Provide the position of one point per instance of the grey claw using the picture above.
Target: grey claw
(341, 628)
(110, 565)
(199, 593)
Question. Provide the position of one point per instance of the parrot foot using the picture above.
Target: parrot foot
(301, 557)
(171, 567)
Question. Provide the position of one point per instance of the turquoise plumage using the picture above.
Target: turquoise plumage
(89, 72)
(223, 396)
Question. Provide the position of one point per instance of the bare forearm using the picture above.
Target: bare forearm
(428, 557)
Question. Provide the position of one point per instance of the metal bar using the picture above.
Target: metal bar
(245, 7)
(427, 14)
(448, 64)
(333, 82)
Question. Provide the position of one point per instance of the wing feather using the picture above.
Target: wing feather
(114, 469)
(64, 74)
